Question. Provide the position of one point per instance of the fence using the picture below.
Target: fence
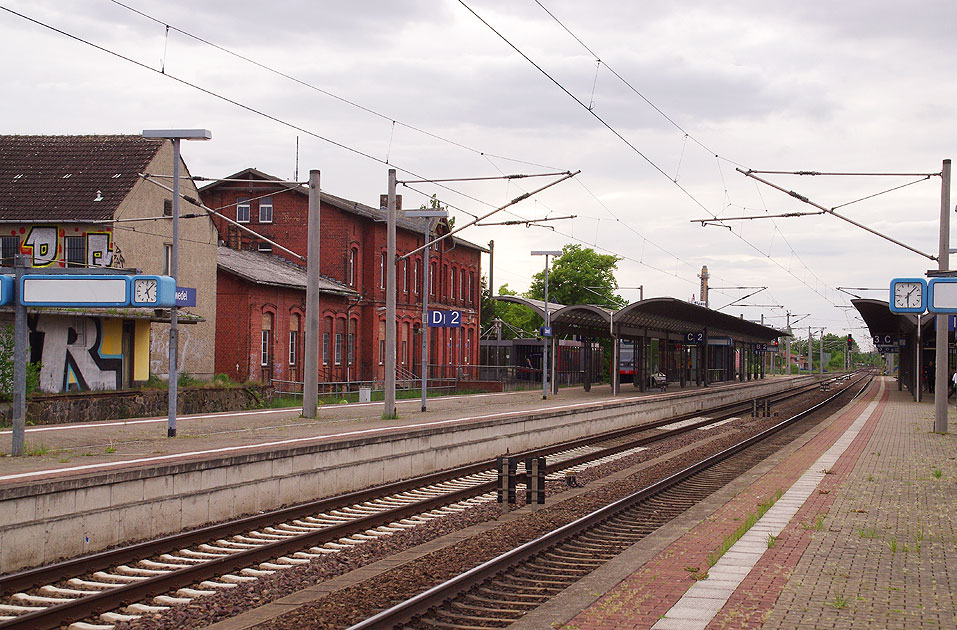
(441, 377)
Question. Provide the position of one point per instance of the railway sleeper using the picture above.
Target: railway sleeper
(504, 621)
(545, 567)
(504, 601)
(529, 597)
(575, 555)
(535, 581)
(531, 588)
(500, 609)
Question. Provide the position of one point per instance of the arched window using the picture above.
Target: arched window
(351, 271)
(432, 279)
(265, 348)
(382, 271)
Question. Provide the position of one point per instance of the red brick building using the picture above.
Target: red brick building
(353, 261)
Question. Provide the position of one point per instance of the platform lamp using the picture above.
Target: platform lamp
(546, 253)
(176, 135)
(428, 214)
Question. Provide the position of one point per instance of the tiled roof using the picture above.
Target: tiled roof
(354, 207)
(267, 269)
(69, 178)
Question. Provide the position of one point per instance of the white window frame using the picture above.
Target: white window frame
(264, 349)
(265, 207)
(405, 275)
(293, 343)
(242, 210)
(325, 348)
(381, 351)
(352, 266)
(338, 348)
(382, 271)
(350, 349)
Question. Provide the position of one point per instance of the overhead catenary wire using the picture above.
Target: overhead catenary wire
(325, 92)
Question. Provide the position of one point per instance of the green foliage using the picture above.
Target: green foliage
(222, 380)
(573, 271)
(7, 365)
(185, 379)
(518, 317)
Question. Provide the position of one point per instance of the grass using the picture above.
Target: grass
(771, 540)
(32, 449)
(938, 473)
(838, 602)
(748, 523)
(817, 525)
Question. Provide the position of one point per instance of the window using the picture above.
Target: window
(267, 331)
(338, 348)
(405, 275)
(75, 247)
(405, 350)
(264, 247)
(415, 275)
(265, 210)
(451, 285)
(350, 348)
(382, 271)
(432, 279)
(264, 357)
(325, 348)
(9, 248)
(462, 277)
(167, 259)
(167, 207)
(471, 292)
(381, 351)
(242, 210)
(351, 272)
(293, 339)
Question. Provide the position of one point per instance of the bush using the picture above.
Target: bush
(7, 364)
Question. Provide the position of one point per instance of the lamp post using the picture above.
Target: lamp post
(427, 233)
(176, 135)
(546, 253)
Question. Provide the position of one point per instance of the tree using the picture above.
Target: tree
(516, 316)
(579, 276)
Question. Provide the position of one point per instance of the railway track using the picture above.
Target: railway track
(121, 584)
(502, 590)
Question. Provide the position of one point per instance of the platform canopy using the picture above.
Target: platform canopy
(665, 318)
(881, 321)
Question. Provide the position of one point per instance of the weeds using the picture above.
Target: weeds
(838, 602)
(35, 450)
(742, 529)
(938, 473)
(771, 540)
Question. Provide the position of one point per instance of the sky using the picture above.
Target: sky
(657, 104)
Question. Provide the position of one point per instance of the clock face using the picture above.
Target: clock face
(144, 291)
(908, 294)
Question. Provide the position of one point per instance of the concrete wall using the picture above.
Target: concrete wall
(43, 522)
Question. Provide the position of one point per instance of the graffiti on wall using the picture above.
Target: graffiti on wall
(77, 353)
(46, 245)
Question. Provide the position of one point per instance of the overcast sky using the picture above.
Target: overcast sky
(847, 86)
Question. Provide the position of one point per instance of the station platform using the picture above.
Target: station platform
(864, 535)
(86, 448)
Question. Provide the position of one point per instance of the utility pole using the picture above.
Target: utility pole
(943, 259)
(787, 346)
(19, 361)
(821, 353)
(388, 410)
(810, 353)
(310, 377)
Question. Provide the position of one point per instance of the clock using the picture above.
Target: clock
(908, 295)
(155, 291)
(144, 290)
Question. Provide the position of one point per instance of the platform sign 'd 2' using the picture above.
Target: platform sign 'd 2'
(445, 319)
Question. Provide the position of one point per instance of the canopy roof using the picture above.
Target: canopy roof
(662, 317)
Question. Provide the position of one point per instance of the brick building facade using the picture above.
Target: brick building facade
(352, 257)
